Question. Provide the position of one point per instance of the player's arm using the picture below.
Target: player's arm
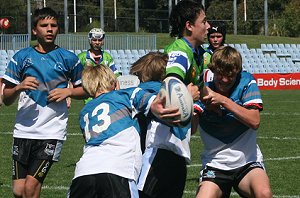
(193, 89)
(12, 91)
(165, 114)
(59, 94)
(249, 117)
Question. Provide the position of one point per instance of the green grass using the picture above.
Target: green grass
(278, 137)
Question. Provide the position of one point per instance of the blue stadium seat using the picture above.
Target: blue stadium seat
(141, 52)
(120, 51)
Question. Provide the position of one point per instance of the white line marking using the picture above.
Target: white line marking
(192, 137)
(262, 113)
(268, 159)
(262, 137)
(185, 192)
(235, 194)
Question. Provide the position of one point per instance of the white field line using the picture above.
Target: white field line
(237, 195)
(261, 137)
(65, 188)
(267, 159)
(262, 113)
(192, 137)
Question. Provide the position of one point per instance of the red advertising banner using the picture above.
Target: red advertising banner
(275, 81)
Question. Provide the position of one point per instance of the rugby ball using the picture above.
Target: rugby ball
(177, 95)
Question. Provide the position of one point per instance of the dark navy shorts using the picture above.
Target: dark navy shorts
(227, 179)
(34, 157)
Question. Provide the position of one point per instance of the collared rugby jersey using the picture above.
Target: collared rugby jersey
(160, 135)
(228, 143)
(37, 118)
(112, 133)
(185, 61)
(106, 59)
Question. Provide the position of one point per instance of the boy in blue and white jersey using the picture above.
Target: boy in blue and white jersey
(229, 119)
(166, 148)
(112, 156)
(39, 76)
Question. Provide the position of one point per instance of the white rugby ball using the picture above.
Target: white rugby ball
(177, 95)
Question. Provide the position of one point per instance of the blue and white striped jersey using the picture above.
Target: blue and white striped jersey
(38, 118)
(113, 112)
(112, 133)
(160, 135)
(228, 143)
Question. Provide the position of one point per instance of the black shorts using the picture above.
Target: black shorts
(226, 179)
(34, 157)
(102, 185)
(166, 177)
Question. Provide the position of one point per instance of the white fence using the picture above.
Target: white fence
(74, 41)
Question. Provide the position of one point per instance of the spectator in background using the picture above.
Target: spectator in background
(229, 119)
(39, 76)
(216, 38)
(96, 55)
(189, 25)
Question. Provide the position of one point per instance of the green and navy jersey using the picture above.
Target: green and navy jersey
(207, 56)
(185, 61)
(37, 118)
(106, 59)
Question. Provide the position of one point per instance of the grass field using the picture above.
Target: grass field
(278, 137)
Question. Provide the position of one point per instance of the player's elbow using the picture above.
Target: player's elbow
(255, 125)
(7, 102)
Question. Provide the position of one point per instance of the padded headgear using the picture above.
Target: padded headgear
(216, 26)
(96, 33)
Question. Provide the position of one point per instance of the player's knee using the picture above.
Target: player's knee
(32, 188)
(264, 193)
(18, 191)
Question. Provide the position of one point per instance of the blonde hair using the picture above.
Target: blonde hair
(98, 79)
(150, 67)
(226, 61)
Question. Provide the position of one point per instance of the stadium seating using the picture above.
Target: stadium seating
(269, 58)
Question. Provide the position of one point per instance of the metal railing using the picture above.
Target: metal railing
(14, 41)
(73, 41)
